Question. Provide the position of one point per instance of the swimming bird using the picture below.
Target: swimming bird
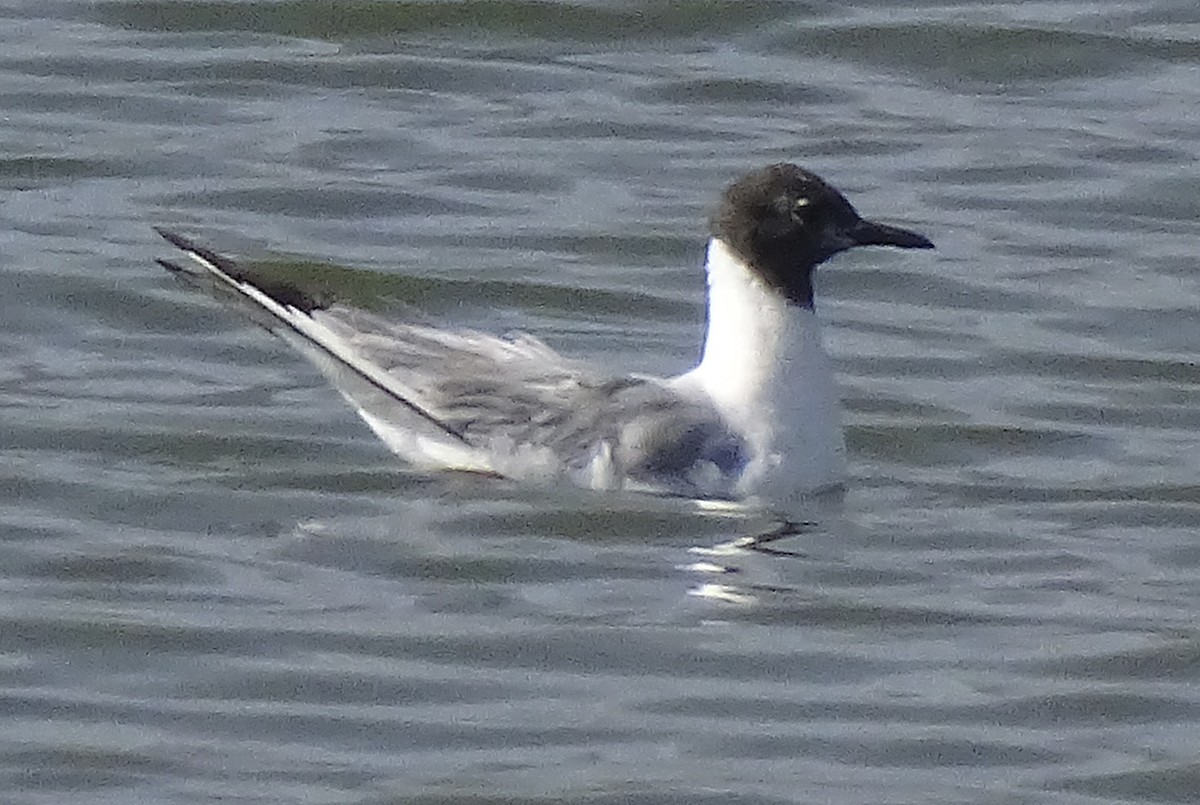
(756, 419)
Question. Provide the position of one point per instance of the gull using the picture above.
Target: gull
(755, 420)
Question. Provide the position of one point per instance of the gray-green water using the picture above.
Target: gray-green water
(215, 585)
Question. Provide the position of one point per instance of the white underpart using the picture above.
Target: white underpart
(765, 368)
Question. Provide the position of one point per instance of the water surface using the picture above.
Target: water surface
(216, 585)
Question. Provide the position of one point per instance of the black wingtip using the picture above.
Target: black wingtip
(179, 241)
(174, 268)
(169, 236)
(283, 292)
(289, 296)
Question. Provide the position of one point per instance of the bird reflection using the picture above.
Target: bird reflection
(724, 559)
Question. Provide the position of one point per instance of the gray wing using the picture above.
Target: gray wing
(456, 397)
(518, 391)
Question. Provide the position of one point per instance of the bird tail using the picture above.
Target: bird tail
(382, 399)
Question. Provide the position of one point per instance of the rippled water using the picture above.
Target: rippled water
(216, 585)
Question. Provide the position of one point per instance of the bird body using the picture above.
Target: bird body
(756, 418)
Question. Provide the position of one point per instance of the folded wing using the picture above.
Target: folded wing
(463, 399)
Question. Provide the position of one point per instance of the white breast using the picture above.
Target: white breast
(766, 370)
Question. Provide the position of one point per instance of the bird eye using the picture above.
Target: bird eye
(800, 210)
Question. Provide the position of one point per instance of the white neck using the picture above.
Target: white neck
(765, 369)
